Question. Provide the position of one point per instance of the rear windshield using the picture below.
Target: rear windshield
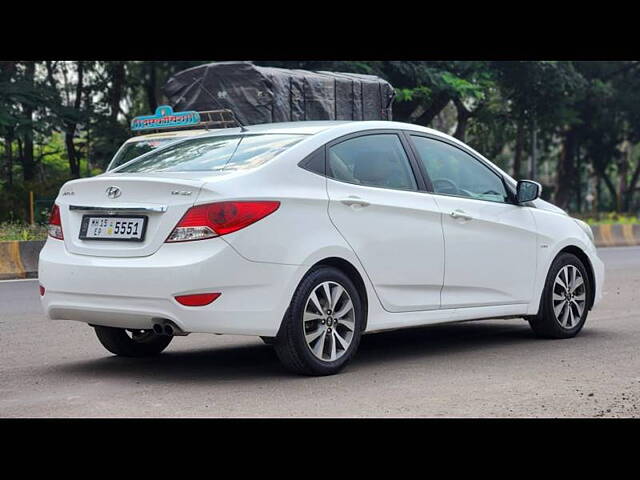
(132, 150)
(214, 153)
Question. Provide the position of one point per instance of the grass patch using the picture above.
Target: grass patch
(10, 231)
(612, 217)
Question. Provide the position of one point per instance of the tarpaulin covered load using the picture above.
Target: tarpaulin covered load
(268, 94)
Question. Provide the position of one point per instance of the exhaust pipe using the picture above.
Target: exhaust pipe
(169, 328)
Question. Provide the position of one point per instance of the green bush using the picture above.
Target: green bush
(22, 231)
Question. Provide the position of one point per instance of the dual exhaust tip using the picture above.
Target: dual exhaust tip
(167, 327)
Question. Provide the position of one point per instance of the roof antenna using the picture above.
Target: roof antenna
(242, 127)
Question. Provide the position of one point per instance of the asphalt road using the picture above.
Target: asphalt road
(494, 368)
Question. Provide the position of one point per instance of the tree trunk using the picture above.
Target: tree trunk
(150, 87)
(517, 159)
(8, 147)
(598, 191)
(426, 116)
(118, 75)
(631, 188)
(50, 69)
(8, 69)
(623, 171)
(596, 199)
(88, 107)
(612, 190)
(70, 131)
(28, 165)
(72, 154)
(533, 172)
(566, 170)
(463, 119)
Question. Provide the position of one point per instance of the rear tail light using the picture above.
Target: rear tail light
(42, 291)
(215, 219)
(55, 224)
(197, 300)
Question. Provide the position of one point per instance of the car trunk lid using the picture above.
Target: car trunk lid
(162, 199)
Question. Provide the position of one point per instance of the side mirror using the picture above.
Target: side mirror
(527, 191)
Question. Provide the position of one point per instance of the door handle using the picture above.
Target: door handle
(461, 214)
(355, 201)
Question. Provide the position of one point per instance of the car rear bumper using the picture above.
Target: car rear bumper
(136, 292)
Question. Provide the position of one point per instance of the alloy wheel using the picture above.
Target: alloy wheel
(329, 321)
(569, 296)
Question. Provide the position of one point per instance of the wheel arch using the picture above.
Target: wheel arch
(354, 275)
(584, 258)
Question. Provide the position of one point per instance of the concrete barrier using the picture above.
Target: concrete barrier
(20, 259)
(616, 234)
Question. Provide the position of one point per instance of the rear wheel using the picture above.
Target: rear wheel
(132, 343)
(322, 328)
(564, 305)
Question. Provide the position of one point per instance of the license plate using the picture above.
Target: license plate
(109, 227)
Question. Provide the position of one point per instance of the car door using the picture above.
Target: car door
(490, 242)
(376, 202)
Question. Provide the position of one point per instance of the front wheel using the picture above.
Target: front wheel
(321, 330)
(565, 299)
(132, 343)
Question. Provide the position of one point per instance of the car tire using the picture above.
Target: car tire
(268, 340)
(563, 311)
(321, 341)
(139, 343)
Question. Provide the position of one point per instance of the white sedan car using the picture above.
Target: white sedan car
(310, 234)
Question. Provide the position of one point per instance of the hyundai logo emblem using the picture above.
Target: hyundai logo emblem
(113, 192)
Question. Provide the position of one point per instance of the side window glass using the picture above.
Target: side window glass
(454, 172)
(314, 162)
(374, 160)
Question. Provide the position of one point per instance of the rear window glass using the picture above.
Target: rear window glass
(229, 152)
(132, 150)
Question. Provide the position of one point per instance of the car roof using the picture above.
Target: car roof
(302, 127)
(307, 127)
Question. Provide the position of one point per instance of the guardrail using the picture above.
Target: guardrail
(20, 259)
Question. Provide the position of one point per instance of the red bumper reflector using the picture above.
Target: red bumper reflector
(41, 291)
(197, 300)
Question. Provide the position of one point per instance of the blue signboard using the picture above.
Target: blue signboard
(165, 118)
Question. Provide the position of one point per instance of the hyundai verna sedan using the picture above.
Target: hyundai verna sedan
(310, 234)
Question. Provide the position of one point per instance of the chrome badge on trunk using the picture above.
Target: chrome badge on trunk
(113, 192)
